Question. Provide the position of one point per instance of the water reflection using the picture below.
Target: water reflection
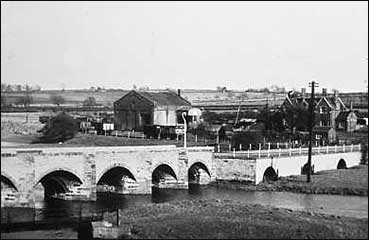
(52, 209)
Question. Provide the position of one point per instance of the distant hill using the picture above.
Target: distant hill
(232, 98)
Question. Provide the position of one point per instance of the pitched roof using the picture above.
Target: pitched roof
(299, 100)
(160, 98)
(165, 98)
(342, 116)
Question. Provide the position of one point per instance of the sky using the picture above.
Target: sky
(188, 45)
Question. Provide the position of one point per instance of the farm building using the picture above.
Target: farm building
(137, 109)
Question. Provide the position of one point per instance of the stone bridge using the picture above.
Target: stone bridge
(30, 174)
(254, 166)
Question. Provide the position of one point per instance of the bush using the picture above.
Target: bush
(246, 138)
(61, 128)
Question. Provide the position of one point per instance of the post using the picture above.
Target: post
(259, 150)
(185, 130)
(311, 124)
(229, 147)
(195, 137)
(343, 148)
(250, 147)
(290, 151)
(248, 153)
(234, 152)
(327, 149)
(300, 150)
(240, 147)
(277, 144)
(352, 147)
(218, 148)
(117, 216)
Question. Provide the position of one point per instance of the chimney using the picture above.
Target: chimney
(324, 92)
(335, 94)
(303, 92)
(179, 92)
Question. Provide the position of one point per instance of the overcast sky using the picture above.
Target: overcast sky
(203, 45)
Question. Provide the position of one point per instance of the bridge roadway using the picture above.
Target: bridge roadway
(30, 174)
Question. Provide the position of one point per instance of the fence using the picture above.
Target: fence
(282, 152)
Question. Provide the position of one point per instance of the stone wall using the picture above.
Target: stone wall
(235, 169)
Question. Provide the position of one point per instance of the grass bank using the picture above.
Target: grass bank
(351, 181)
(220, 219)
(232, 219)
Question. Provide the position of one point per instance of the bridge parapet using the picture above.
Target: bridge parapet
(283, 152)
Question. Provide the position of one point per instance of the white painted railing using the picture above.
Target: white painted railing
(282, 152)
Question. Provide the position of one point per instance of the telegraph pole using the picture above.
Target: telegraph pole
(311, 125)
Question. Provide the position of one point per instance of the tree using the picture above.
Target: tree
(61, 128)
(297, 118)
(89, 102)
(57, 99)
(3, 87)
(18, 88)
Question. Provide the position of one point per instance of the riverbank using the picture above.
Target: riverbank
(221, 219)
(226, 219)
(351, 181)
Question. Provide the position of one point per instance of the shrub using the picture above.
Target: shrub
(62, 127)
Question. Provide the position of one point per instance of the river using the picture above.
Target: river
(51, 209)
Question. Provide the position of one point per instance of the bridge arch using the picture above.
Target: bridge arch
(64, 169)
(114, 174)
(10, 181)
(341, 164)
(163, 172)
(194, 172)
(270, 175)
(99, 174)
(58, 181)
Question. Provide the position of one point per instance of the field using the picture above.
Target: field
(106, 98)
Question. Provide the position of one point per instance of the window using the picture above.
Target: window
(133, 105)
(323, 110)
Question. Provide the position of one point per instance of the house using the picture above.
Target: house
(138, 109)
(351, 121)
(327, 107)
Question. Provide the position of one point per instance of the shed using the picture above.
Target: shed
(137, 109)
